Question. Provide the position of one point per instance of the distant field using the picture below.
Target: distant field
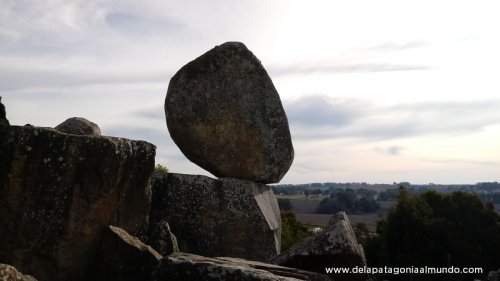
(322, 219)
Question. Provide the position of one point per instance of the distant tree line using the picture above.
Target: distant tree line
(349, 200)
(436, 230)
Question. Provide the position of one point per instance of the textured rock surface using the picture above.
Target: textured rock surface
(188, 267)
(58, 192)
(335, 246)
(225, 115)
(225, 217)
(9, 273)
(162, 239)
(79, 126)
(123, 257)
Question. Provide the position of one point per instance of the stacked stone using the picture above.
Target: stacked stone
(225, 115)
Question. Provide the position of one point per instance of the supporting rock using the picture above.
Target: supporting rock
(225, 217)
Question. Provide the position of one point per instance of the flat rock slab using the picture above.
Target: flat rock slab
(58, 192)
(225, 115)
(188, 267)
(217, 217)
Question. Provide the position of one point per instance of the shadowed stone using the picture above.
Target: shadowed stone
(225, 115)
(58, 192)
(123, 257)
(224, 217)
(10, 273)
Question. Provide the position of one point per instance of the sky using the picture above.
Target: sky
(375, 91)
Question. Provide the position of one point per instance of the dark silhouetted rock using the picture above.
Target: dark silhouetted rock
(494, 275)
(123, 257)
(225, 217)
(188, 267)
(79, 126)
(58, 192)
(10, 273)
(3, 114)
(225, 115)
(162, 239)
(335, 246)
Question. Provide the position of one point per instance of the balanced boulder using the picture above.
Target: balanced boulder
(224, 217)
(79, 126)
(225, 115)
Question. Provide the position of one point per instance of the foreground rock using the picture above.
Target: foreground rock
(123, 257)
(335, 246)
(162, 239)
(188, 267)
(58, 192)
(79, 126)
(226, 116)
(9, 273)
(225, 217)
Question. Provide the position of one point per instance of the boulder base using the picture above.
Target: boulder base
(225, 115)
(225, 217)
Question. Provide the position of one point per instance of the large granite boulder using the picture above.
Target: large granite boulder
(58, 193)
(188, 267)
(10, 273)
(224, 217)
(225, 115)
(123, 257)
(79, 126)
(335, 246)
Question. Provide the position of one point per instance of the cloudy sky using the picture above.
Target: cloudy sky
(375, 91)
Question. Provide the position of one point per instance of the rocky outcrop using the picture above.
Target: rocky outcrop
(225, 115)
(58, 193)
(3, 114)
(79, 126)
(224, 217)
(162, 239)
(10, 273)
(123, 257)
(494, 275)
(335, 246)
(188, 267)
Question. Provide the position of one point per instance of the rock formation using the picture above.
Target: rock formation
(162, 239)
(335, 246)
(123, 257)
(3, 114)
(188, 267)
(10, 273)
(58, 192)
(224, 217)
(225, 115)
(79, 126)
